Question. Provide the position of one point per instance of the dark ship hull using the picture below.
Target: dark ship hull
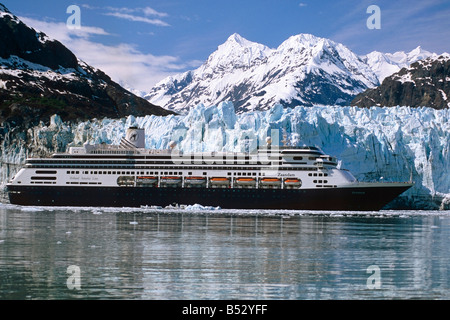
(358, 197)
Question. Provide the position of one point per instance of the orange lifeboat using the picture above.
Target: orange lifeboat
(219, 181)
(270, 181)
(246, 181)
(292, 182)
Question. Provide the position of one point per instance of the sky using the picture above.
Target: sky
(139, 42)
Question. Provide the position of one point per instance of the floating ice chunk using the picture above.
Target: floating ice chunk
(199, 207)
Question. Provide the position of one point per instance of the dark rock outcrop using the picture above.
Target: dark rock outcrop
(40, 77)
(426, 83)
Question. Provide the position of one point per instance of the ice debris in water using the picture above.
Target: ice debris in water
(199, 207)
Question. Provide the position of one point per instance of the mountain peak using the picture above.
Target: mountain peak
(304, 69)
(302, 40)
(40, 76)
(5, 13)
(418, 54)
(386, 64)
(4, 9)
(238, 39)
(235, 52)
(18, 39)
(418, 49)
(305, 38)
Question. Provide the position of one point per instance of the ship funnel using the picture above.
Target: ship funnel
(135, 137)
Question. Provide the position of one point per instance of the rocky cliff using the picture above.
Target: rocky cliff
(39, 77)
(423, 83)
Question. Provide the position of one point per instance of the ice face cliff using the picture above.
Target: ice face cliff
(395, 144)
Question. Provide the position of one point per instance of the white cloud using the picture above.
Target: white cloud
(152, 12)
(122, 62)
(59, 30)
(130, 17)
(133, 14)
(148, 11)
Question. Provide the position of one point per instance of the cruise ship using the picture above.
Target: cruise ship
(129, 175)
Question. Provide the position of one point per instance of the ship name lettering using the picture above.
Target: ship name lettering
(286, 175)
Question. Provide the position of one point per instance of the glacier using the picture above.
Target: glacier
(379, 143)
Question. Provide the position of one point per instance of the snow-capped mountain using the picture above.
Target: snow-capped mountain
(39, 76)
(386, 64)
(303, 70)
(242, 53)
(423, 83)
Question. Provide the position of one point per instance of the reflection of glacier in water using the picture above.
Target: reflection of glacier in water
(394, 144)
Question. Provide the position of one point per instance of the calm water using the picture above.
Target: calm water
(222, 254)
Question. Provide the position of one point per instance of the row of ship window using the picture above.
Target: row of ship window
(266, 167)
(174, 161)
(219, 159)
(156, 173)
(197, 168)
(76, 182)
(320, 174)
(315, 174)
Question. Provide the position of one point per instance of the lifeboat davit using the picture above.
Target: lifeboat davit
(170, 180)
(147, 180)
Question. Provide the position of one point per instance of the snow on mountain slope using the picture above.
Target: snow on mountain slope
(423, 83)
(386, 64)
(39, 76)
(397, 144)
(304, 69)
(240, 51)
